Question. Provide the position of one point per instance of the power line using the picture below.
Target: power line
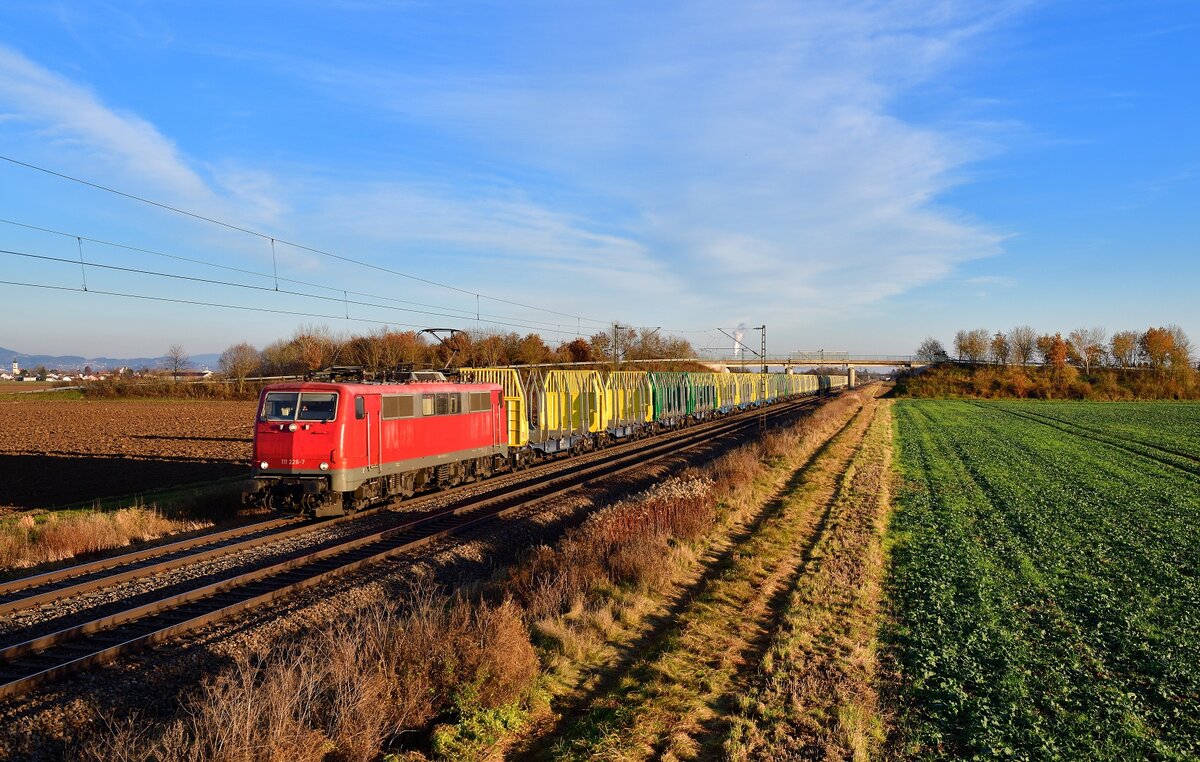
(212, 281)
(265, 237)
(174, 300)
(466, 314)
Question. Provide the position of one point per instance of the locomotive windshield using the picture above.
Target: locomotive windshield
(318, 407)
(290, 406)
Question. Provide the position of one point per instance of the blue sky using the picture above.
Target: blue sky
(855, 175)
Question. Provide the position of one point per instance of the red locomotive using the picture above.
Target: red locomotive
(327, 448)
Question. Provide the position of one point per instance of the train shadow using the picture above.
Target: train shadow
(52, 480)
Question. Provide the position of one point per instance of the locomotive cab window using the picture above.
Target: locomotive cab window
(318, 406)
(280, 406)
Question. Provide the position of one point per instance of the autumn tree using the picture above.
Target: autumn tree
(1054, 351)
(1000, 349)
(1022, 342)
(453, 350)
(1156, 346)
(931, 351)
(605, 349)
(489, 351)
(532, 350)
(403, 348)
(316, 347)
(1123, 347)
(578, 350)
(239, 361)
(972, 346)
(177, 359)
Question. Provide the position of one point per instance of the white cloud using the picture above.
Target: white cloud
(711, 165)
(73, 115)
(758, 154)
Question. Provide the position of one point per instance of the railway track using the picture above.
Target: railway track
(38, 660)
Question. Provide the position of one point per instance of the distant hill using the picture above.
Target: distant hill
(77, 362)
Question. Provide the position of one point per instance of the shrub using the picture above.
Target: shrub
(343, 691)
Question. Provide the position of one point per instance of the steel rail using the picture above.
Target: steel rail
(101, 564)
(112, 636)
(52, 585)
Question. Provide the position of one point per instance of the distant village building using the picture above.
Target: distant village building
(16, 368)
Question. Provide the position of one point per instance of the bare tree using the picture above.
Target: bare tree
(177, 360)
(1181, 353)
(239, 361)
(931, 351)
(1022, 342)
(1088, 345)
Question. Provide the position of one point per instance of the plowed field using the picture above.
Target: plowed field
(54, 453)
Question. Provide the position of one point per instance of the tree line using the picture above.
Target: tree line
(311, 348)
(1088, 349)
(1087, 363)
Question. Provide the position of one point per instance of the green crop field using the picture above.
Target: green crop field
(1045, 580)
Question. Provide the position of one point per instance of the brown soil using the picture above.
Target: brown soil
(55, 453)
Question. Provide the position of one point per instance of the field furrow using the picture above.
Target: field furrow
(1043, 592)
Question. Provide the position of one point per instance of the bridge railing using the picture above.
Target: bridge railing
(846, 358)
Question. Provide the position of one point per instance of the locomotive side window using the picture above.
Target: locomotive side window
(442, 404)
(360, 408)
(481, 401)
(399, 406)
(318, 406)
(280, 406)
(426, 404)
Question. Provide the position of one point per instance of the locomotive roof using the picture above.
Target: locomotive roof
(416, 387)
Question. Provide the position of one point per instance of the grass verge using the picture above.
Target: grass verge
(814, 694)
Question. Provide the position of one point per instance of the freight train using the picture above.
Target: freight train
(329, 447)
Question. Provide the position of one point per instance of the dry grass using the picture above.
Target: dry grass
(814, 696)
(342, 693)
(644, 552)
(32, 540)
(668, 703)
(350, 691)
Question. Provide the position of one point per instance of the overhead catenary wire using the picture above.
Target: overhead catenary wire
(205, 304)
(493, 318)
(212, 281)
(302, 247)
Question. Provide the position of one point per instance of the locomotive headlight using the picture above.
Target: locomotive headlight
(292, 427)
(324, 466)
(264, 465)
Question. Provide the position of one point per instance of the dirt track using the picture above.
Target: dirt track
(58, 452)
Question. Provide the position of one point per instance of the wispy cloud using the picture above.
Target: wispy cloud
(74, 116)
(756, 155)
(1002, 281)
(710, 162)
